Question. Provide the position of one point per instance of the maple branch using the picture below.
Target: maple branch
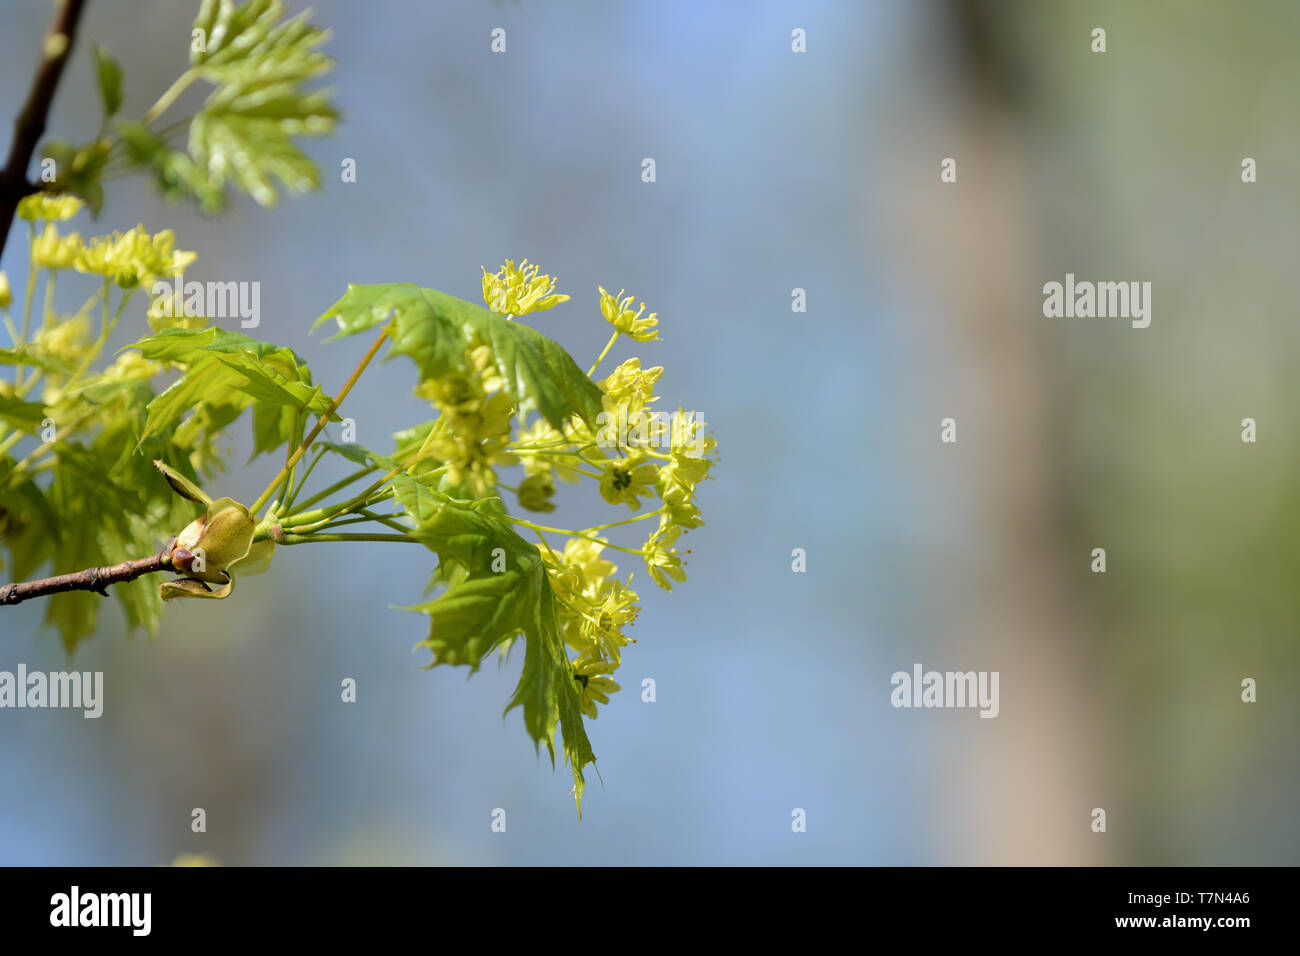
(91, 579)
(30, 125)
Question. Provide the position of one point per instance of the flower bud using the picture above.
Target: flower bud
(222, 536)
(535, 493)
(182, 485)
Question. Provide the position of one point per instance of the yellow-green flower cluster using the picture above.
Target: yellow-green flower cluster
(52, 251)
(594, 608)
(67, 342)
(546, 453)
(519, 291)
(630, 387)
(167, 310)
(48, 206)
(617, 311)
(133, 257)
(132, 366)
(638, 470)
(6, 296)
(477, 414)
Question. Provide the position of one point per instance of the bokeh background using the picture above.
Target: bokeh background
(775, 170)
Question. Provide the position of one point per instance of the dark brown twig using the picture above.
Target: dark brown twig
(91, 579)
(30, 125)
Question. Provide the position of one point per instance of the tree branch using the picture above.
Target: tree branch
(30, 125)
(91, 579)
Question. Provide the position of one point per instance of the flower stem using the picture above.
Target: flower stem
(107, 326)
(601, 357)
(615, 524)
(576, 534)
(29, 292)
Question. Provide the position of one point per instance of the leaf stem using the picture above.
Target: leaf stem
(170, 95)
(294, 492)
(363, 516)
(278, 480)
(339, 485)
(285, 538)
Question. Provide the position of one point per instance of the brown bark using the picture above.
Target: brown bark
(91, 579)
(30, 125)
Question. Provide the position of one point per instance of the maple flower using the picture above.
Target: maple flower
(132, 366)
(626, 478)
(557, 458)
(583, 557)
(618, 313)
(67, 341)
(677, 480)
(662, 558)
(519, 291)
(536, 492)
(49, 251)
(681, 514)
(133, 257)
(478, 431)
(167, 310)
(630, 385)
(593, 686)
(46, 206)
(602, 626)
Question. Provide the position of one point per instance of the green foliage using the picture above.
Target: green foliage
(258, 63)
(22, 415)
(486, 609)
(218, 364)
(108, 76)
(435, 330)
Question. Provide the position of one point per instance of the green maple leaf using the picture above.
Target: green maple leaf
(258, 62)
(244, 135)
(221, 362)
(484, 609)
(26, 356)
(108, 77)
(434, 330)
